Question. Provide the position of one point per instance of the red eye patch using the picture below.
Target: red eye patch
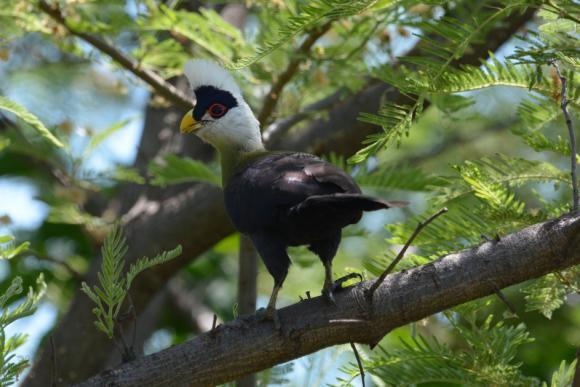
(216, 110)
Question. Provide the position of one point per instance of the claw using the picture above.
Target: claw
(328, 294)
(269, 314)
(337, 285)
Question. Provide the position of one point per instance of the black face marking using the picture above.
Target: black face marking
(209, 95)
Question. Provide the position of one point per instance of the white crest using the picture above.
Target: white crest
(202, 72)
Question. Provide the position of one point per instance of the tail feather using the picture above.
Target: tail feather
(344, 201)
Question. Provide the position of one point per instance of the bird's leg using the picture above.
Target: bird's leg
(330, 286)
(271, 313)
(328, 283)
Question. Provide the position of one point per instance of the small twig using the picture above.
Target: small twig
(127, 353)
(566, 282)
(273, 96)
(505, 300)
(276, 129)
(134, 318)
(159, 84)
(370, 293)
(360, 364)
(495, 239)
(573, 162)
(53, 368)
(214, 323)
(562, 13)
(247, 274)
(308, 294)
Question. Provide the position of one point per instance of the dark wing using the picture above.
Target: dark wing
(268, 186)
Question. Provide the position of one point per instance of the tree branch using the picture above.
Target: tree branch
(273, 96)
(401, 254)
(245, 346)
(159, 84)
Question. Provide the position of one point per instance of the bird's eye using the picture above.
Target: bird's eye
(217, 110)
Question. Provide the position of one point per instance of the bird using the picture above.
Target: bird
(277, 198)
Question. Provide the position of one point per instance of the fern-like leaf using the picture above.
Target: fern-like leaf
(548, 293)
(113, 284)
(10, 365)
(482, 176)
(145, 263)
(22, 113)
(310, 15)
(396, 120)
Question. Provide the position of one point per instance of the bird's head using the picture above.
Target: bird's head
(220, 117)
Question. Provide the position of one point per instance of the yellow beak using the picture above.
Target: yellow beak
(188, 123)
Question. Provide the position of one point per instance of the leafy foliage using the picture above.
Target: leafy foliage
(431, 75)
(486, 358)
(309, 16)
(548, 293)
(114, 286)
(484, 179)
(564, 376)
(173, 169)
(8, 249)
(21, 112)
(11, 366)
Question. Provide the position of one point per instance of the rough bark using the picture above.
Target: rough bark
(249, 345)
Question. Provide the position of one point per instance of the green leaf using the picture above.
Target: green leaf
(548, 293)
(396, 121)
(564, 375)
(10, 367)
(9, 250)
(174, 169)
(145, 263)
(98, 138)
(397, 178)
(113, 287)
(481, 177)
(21, 112)
(128, 175)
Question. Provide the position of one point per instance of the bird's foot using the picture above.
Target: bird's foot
(269, 314)
(332, 287)
(327, 293)
(337, 285)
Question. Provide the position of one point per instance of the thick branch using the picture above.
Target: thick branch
(159, 84)
(250, 345)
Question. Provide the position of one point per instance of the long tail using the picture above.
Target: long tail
(340, 208)
(346, 200)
